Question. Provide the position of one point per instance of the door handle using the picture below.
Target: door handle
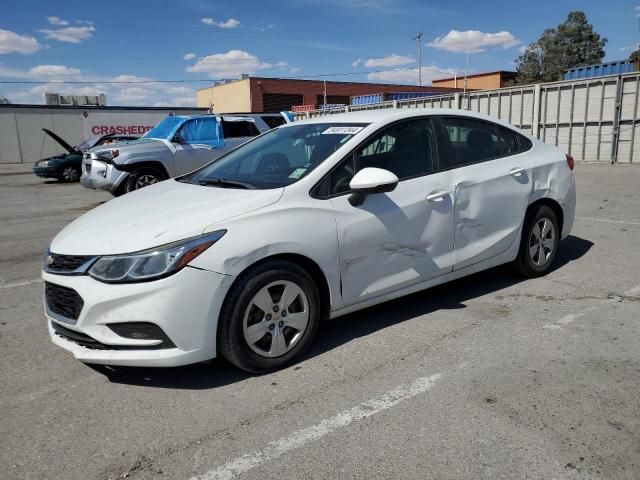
(437, 196)
(517, 171)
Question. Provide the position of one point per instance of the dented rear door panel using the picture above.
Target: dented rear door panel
(491, 199)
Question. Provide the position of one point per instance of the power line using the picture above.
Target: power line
(201, 80)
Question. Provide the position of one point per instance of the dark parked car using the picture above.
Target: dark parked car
(67, 166)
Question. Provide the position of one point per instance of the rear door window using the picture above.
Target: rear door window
(239, 128)
(472, 141)
(273, 121)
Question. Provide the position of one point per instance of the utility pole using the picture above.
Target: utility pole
(325, 93)
(418, 38)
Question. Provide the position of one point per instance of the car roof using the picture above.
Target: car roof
(384, 116)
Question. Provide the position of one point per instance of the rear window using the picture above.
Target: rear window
(239, 128)
(274, 120)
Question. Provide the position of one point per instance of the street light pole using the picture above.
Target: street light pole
(418, 39)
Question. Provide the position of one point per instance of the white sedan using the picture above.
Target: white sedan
(247, 255)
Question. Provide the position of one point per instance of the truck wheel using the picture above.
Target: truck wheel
(143, 177)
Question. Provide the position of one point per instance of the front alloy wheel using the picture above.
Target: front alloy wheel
(269, 317)
(143, 177)
(276, 319)
(69, 174)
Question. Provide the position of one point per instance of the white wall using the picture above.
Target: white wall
(23, 141)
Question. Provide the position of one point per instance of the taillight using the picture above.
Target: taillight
(570, 161)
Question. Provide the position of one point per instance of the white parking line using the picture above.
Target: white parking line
(572, 317)
(22, 283)
(297, 439)
(608, 220)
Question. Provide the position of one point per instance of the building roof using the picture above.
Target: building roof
(482, 74)
(284, 79)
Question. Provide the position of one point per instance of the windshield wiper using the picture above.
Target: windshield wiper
(226, 183)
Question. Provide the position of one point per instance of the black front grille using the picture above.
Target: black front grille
(86, 341)
(63, 301)
(57, 263)
(79, 338)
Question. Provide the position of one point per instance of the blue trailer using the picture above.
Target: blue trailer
(387, 96)
(611, 68)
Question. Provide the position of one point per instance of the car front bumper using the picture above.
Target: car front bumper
(47, 172)
(101, 176)
(185, 306)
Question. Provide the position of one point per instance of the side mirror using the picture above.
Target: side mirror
(369, 181)
(177, 138)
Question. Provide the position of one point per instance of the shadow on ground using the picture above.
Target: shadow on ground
(342, 330)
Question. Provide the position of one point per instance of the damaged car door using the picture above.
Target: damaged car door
(401, 237)
(195, 143)
(491, 184)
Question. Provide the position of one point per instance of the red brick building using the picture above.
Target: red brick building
(260, 94)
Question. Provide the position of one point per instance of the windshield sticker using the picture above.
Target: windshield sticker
(342, 130)
(297, 173)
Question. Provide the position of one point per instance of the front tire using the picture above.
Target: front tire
(269, 317)
(539, 242)
(69, 174)
(143, 177)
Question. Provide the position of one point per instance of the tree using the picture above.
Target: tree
(571, 44)
(635, 56)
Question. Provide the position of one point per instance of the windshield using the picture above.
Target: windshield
(164, 128)
(87, 144)
(278, 158)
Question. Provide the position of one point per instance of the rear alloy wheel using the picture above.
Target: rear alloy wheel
(539, 244)
(69, 174)
(143, 177)
(269, 318)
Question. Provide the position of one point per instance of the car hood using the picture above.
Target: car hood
(142, 147)
(60, 141)
(156, 215)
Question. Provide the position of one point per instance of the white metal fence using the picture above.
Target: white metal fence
(594, 119)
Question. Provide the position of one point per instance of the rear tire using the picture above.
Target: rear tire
(269, 318)
(539, 242)
(142, 177)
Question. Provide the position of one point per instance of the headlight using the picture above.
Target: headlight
(105, 155)
(153, 263)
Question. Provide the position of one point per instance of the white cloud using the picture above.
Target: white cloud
(230, 23)
(637, 11)
(410, 75)
(189, 56)
(132, 94)
(473, 41)
(57, 21)
(70, 34)
(388, 61)
(628, 48)
(11, 42)
(357, 63)
(49, 70)
(228, 65)
(285, 66)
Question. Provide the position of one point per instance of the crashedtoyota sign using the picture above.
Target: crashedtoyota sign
(96, 124)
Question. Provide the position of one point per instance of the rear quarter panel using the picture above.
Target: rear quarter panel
(553, 179)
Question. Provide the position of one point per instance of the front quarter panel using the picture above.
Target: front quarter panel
(305, 228)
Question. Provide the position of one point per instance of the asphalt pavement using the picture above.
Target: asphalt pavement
(489, 377)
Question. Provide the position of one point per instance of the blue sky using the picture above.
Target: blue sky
(98, 43)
